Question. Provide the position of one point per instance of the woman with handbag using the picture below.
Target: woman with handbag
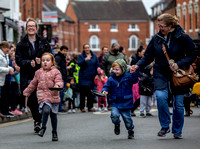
(179, 47)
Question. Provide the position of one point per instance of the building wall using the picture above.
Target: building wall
(82, 35)
(187, 7)
(122, 36)
(31, 8)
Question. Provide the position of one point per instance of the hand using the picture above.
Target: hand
(104, 92)
(145, 89)
(134, 68)
(88, 57)
(17, 68)
(37, 60)
(174, 67)
(11, 71)
(33, 63)
(56, 86)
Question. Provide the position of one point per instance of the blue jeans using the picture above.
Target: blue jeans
(126, 115)
(164, 114)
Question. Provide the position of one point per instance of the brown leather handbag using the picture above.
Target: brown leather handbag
(181, 77)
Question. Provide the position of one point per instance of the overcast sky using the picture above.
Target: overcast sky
(147, 3)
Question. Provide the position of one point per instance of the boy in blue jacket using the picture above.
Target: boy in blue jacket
(119, 87)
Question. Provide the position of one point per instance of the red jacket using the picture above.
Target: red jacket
(42, 81)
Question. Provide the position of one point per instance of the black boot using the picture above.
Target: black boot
(130, 134)
(117, 129)
(42, 131)
(54, 136)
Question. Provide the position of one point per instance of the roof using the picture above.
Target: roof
(61, 15)
(110, 10)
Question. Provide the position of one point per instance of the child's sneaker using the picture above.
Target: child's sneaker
(105, 109)
(149, 114)
(178, 136)
(74, 111)
(99, 109)
(163, 132)
(130, 134)
(142, 115)
(117, 129)
(69, 111)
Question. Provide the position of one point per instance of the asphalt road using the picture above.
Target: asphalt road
(95, 131)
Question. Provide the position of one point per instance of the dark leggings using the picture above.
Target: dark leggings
(46, 111)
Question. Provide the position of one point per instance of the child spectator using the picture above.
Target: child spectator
(14, 86)
(45, 77)
(71, 94)
(99, 81)
(146, 91)
(119, 86)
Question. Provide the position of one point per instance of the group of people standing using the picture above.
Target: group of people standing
(38, 71)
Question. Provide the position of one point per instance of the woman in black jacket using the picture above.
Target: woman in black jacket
(28, 53)
(181, 49)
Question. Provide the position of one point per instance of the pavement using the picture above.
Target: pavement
(15, 118)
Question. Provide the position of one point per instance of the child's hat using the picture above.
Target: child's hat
(122, 63)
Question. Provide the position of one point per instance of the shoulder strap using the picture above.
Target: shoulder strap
(165, 52)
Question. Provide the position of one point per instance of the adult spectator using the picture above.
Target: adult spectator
(28, 53)
(88, 63)
(61, 63)
(181, 49)
(4, 70)
(104, 51)
(109, 58)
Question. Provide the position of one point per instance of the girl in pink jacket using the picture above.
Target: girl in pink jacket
(47, 77)
(99, 81)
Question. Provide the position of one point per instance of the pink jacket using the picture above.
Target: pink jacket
(136, 94)
(99, 83)
(42, 81)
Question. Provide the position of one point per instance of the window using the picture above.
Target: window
(196, 19)
(94, 28)
(133, 27)
(113, 41)
(113, 28)
(190, 16)
(184, 17)
(133, 43)
(94, 43)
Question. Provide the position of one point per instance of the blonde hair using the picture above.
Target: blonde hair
(168, 19)
(33, 20)
(52, 58)
(4, 44)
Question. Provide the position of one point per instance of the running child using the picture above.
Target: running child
(46, 77)
(119, 86)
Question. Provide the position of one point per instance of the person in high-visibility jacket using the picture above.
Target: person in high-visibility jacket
(73, 67)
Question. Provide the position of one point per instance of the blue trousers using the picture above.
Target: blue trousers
(164, 114)
(126, 115)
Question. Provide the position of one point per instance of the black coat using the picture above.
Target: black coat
(178, 45)
(146, 82)
(61, 63)
(25, 54)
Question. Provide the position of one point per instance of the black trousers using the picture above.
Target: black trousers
(85, 91)
(5, 96)
(33, 105)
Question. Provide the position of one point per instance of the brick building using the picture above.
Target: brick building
(61, 31)
(189, 14)
(163, 6)
(100, 23)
